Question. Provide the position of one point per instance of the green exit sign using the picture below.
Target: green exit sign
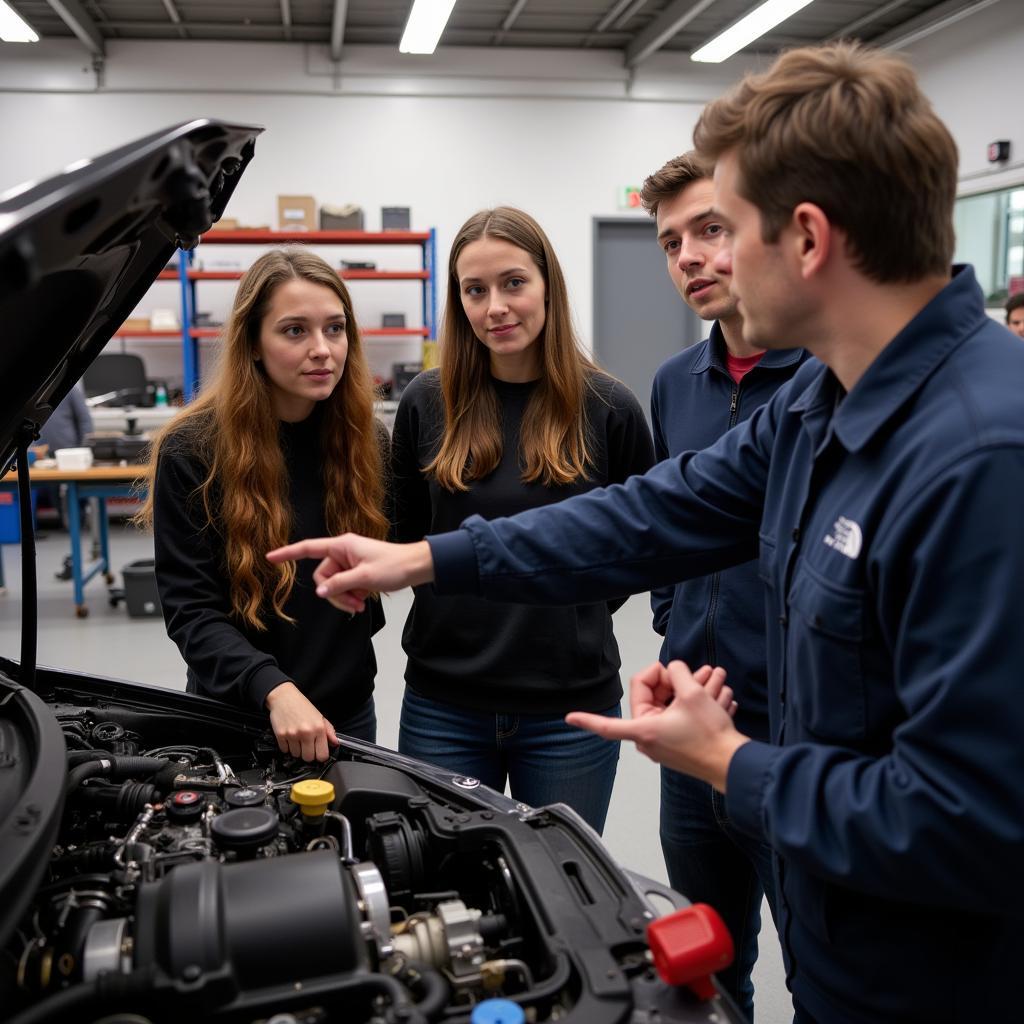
(629, 197)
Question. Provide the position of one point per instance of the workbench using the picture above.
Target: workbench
(100, 482)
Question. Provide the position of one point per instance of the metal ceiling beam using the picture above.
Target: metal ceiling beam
(73, 15)
(929, 22)
(172, 13)
(241, 31)
(612, 14)
(636, 7)
(286, 18)
(670, 22)
(513, 15)
(507, 23)
(847, 31)
(338, 28)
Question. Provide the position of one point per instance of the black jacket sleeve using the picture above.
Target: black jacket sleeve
(630, 448)
(410, 487)
(191, 579)
(661, 597)
(629, 445)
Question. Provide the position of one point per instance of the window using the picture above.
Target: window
(990, 235)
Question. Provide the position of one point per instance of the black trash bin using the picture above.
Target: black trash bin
(140, 593)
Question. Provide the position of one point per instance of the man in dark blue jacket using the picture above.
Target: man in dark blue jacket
(697, 396)
(881, 489)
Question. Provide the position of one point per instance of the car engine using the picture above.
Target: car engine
(229, 882)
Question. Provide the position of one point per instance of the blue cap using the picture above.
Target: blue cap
(497, 1011)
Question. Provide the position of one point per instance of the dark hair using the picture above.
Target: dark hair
(668, 181)
(847, 128)
(1012, 303)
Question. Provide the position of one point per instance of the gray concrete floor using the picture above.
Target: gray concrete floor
(109, 643)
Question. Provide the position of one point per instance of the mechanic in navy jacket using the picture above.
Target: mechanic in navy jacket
(698, 395)
(881, 489)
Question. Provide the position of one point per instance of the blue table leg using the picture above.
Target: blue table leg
(104, 528)
(75, 531)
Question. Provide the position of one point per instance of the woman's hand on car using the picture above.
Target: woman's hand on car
(299, 728)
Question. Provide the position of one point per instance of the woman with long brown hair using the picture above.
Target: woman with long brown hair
(517, 416)
(282, 442)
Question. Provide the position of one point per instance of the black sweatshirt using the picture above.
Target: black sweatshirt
(500, 657)
(328, 655)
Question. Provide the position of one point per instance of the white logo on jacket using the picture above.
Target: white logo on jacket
(845, 537)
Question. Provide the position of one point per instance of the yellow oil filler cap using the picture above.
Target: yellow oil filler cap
(313, 796)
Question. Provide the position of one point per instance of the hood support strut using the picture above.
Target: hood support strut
(29, 610)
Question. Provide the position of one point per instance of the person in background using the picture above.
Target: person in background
(1015, 314)
(69, 423)
(516, 417)
(282, 442)
(697, 396)
(67, 427)
(881, 488)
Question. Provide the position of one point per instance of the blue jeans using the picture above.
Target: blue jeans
(362, 725)
(710, 861)
(544, 760)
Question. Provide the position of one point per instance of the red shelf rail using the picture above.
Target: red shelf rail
(243, 237)
(347, 275)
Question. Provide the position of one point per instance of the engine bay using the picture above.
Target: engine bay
(226, 881)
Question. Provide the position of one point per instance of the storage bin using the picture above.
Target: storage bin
(140, 593)
(70, 459)
(10, 521)
(341, 218)
(10, 514)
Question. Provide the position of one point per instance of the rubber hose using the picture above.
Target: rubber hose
(430, 987)
(115, 766)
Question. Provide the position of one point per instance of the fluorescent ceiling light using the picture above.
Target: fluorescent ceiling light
(760, 20)
(13, 28)
(427, 20)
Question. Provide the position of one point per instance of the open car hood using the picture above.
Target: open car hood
(79, 250)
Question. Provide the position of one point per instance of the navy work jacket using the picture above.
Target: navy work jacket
(716, 619)
(888, 527)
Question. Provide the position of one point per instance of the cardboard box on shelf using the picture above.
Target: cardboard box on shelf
(341, 218)
(211, 262)
(134, 323)
(226, 224)
(164, 320)
(296, 213)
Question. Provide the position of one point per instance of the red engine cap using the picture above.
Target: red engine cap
(185, 797)
(689, 946)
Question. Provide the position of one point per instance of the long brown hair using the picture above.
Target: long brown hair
(553, 445)
(233, 428)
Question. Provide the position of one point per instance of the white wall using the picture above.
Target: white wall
(974, 73)
(556, 132)
(443, 145)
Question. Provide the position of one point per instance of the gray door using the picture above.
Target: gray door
(639, 318)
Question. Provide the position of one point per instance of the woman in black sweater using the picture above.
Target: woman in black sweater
(281, 443)
(516, 417)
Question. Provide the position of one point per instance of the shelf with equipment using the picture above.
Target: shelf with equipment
(189, 277)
